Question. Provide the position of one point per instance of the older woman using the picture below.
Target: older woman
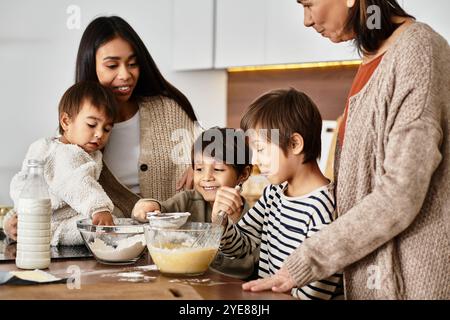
(392, 162)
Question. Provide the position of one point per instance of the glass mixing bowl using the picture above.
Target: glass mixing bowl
(170, 220)
(176, 251)
(122, 243)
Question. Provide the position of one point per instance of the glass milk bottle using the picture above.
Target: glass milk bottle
(33, 227)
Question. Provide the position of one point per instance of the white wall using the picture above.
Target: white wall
(37, 63)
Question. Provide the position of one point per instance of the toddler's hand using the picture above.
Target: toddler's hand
(142, 207)
(228, 200)
(11, 227)
(103, 218)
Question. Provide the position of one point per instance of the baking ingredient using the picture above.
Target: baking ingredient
(34, 215)
(201, 282)
(131, 277)
(35, 276)
(182, 258)
(126, 249)
(33, 237)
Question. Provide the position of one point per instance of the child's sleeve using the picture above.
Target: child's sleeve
(241, 239)
(329, 288)
(75, 182)
(65, 232)
(16, 186)
(178, 203)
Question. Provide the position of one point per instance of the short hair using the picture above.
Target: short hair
(100, 97)
(290, 111)
(369, 40)
(225, 145)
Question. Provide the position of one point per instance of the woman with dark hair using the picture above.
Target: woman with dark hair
(139, 156)
(392, 163)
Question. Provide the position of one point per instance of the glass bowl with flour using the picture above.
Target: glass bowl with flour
(122, 243)
(177, 251)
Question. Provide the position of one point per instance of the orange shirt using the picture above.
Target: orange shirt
(363, 75)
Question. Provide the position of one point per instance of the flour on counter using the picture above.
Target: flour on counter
(150, 267)
(200, 282)
(127, 249)
(131, 277)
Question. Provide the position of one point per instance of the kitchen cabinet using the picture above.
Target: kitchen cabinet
(258, 32)
(193, 34)
(289, 41)
(229, 33)
(240, 32)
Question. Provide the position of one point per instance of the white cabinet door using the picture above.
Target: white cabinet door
(435, 13)
(289, 41)
(240, 32)
(193, 34)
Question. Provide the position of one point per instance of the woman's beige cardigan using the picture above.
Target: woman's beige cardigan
(393, 181)
(166, 138)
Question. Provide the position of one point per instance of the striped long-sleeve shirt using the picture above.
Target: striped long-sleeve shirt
(279, 224)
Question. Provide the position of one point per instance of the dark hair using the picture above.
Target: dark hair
(226, 145)
(150, 82)
(100, 97)
(290, 111)
(369, 40)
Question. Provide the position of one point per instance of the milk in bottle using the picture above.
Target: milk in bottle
(33, 227)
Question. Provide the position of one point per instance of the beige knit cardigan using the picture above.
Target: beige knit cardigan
(393, 181)
(165, 131)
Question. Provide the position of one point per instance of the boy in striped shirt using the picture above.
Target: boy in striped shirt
(284, 131)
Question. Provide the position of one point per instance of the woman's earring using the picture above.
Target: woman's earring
(350, 3)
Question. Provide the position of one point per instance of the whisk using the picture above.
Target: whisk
(220, 216)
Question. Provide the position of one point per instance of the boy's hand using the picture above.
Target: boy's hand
(103, 218)
(228, 200)
(142, 207)
(11, 227)
(281, 281)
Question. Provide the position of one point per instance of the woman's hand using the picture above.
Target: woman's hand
(11, 227)
(279, 282)
(228, 200)
(186, 181)
(141, 208)
(103, 218)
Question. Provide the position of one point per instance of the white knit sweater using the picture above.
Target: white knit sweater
(71, 175)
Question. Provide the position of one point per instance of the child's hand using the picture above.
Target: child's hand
(142, 207)
(230, 201)
(103, 218)
(281, 281)
(11, 227)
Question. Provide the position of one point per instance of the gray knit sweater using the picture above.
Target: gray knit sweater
(393, 181)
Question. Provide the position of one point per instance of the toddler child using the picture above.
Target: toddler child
(73, 162)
